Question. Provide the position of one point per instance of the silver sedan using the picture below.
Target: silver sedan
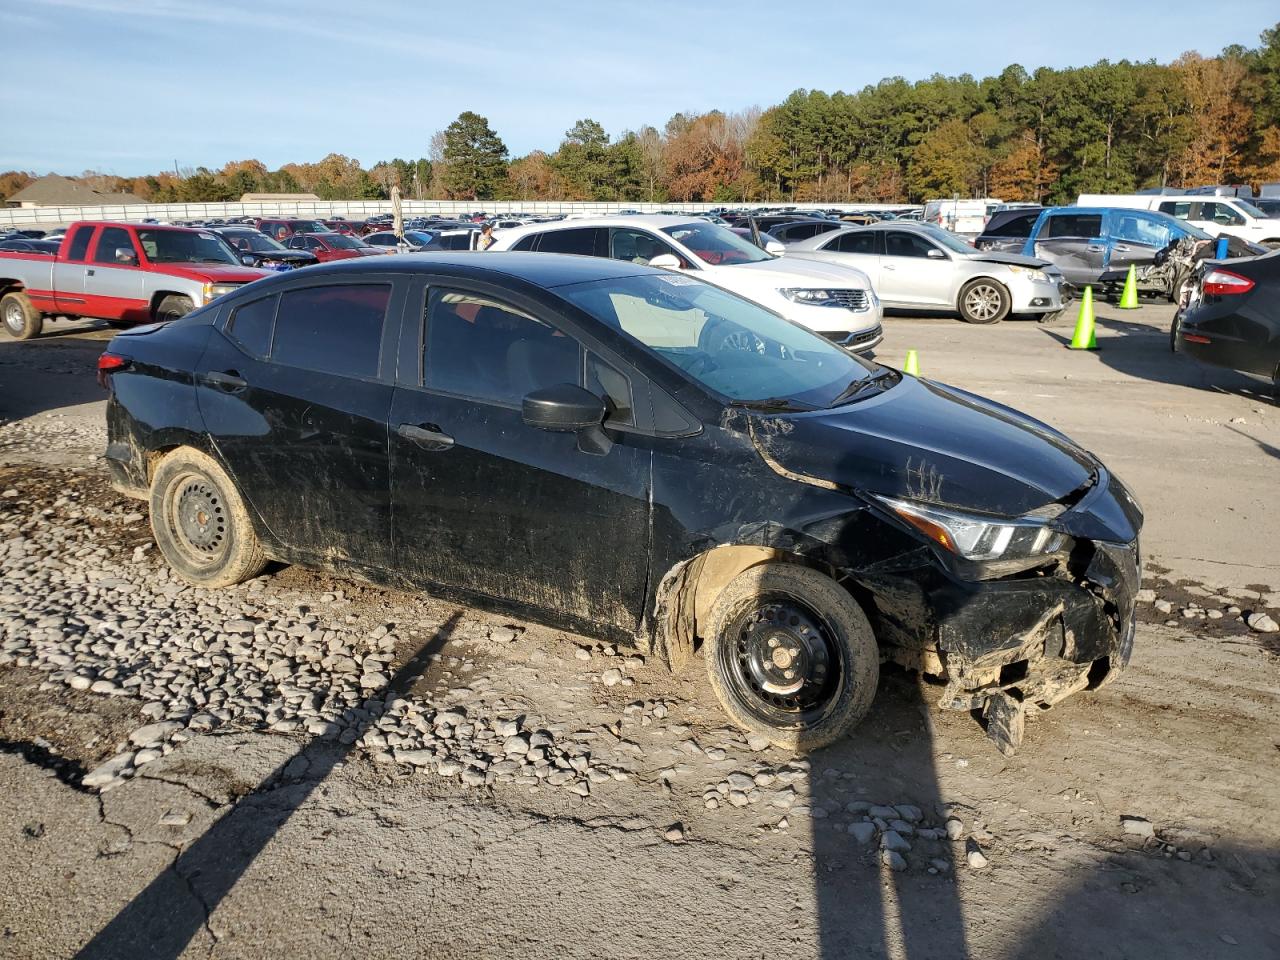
(918, 266)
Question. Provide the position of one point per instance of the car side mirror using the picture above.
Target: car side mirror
(665, 261)
(126, 255)
(247, 260)
(936, 254)
(776, 247)
(568, 408)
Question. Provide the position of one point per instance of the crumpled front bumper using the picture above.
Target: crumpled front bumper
(1036, 638)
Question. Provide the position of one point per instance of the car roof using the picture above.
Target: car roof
(540, 269)
(654, 221)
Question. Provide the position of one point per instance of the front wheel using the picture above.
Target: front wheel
(200, 522)
(172, 307)
(984, 301)
(791, 656)
(22, 320)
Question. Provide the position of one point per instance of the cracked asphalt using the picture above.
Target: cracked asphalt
(242, 842)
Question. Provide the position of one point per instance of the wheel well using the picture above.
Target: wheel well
(690, 589)
(158, 299)
(10, 286)
(155, 456)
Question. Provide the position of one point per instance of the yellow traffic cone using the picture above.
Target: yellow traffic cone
(1083, 338)
(1129, 298)
(912, 366)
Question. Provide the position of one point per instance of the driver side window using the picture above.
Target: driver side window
(899, 244)
(637, 246)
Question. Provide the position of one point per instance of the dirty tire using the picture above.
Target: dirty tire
(172, 307)
(21, 319)
(786, 602)
(983, 301)
(200, 522)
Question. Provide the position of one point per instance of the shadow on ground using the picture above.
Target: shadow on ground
(1141, 351)
(163, 918)
(27, 369)
(866, 907)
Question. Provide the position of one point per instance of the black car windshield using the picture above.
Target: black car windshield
(182, 246)
(253, 240)
(716, 245)
(418, 237)
(731, 346)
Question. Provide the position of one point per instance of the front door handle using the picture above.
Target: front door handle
(1120, 248)
(427, 435)
(1095, 248)
(230, 381)
(88, 273)
(888, 266)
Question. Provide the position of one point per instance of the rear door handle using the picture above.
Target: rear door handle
(888, 266)
(1120, 248)
(230, 381)
(427, 435)
(88, 273)
(1095, 248)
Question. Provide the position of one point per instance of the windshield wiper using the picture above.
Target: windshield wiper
(773, 403)
(858, 386)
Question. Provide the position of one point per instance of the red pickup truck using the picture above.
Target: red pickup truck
(123, 273)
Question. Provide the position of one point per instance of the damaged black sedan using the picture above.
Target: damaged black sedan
(637, 455)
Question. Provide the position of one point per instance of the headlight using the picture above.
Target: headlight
(815, 297)
(1033, 273)
(214, 290)
(979, 538)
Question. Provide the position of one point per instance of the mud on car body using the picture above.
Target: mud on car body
(635, 454)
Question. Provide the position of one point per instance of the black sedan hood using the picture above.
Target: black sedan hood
(928, 442)
(286, 256)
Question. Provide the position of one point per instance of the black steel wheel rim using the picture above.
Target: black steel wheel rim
(782, 663)
(198, 519)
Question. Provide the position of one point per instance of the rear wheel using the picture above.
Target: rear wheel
(200, 522)
(22, 320)
(172, 307)
(791, 656)
(984, 301)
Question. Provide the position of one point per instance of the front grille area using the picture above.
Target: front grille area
(852, 299)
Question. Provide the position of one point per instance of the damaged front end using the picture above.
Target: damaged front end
(1005, 643)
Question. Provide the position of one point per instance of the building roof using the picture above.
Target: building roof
(255, 197)
(58, 191)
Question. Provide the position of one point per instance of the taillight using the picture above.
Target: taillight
(108, 364)
(1223, 282)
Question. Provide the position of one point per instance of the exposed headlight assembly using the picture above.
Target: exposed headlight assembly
(814, 297)
(1010, 544)
(1033, 273)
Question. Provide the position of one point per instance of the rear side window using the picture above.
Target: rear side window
(859, 242)
(479, 347)
(79, 244)
(581, 241)
(332, 329)
(250, 325)
(1084, 225)
(525, 243)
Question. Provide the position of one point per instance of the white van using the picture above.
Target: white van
(965, 217)
(1220, 216)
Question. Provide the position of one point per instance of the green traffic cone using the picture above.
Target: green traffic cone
(1129, 298)
(912, 366)
(1083, 338)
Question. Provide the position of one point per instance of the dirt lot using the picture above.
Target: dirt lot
(359, 771)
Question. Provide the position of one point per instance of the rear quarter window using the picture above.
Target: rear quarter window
(250, 325)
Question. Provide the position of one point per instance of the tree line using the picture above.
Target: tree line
(1044, 136)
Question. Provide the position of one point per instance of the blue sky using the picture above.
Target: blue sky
(130, 87)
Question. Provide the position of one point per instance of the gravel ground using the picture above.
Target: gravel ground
(309, 766)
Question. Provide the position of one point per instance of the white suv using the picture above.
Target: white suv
(835, 301)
